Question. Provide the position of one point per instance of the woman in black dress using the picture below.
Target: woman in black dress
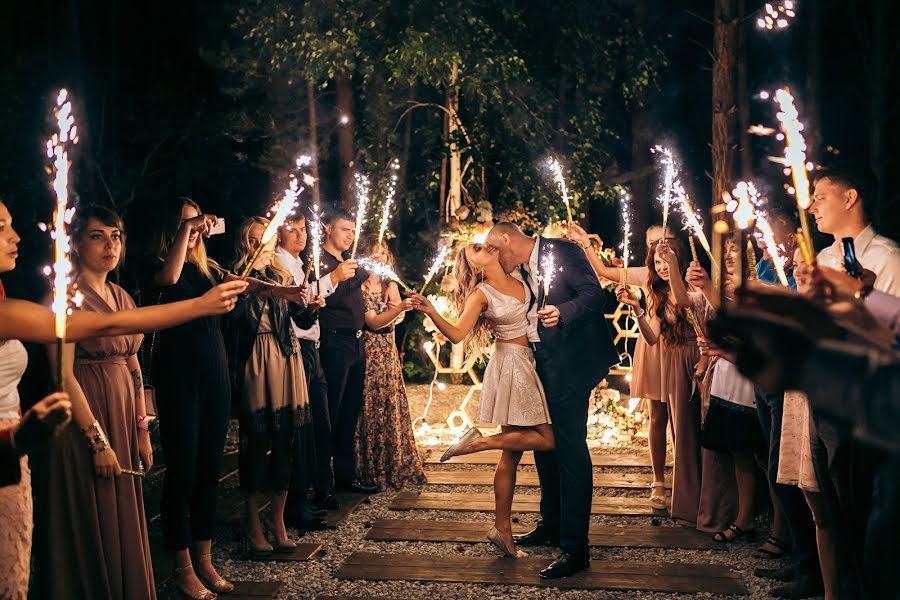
(193, 392)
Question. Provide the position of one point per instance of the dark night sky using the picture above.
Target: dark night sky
(133, 63)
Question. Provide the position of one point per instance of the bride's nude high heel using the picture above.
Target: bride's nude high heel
(495, 538)
(466, 439)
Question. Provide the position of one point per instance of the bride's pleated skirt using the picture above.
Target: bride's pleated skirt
(512, 393)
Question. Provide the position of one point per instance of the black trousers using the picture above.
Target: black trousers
(344, 363)
(193, 410)
(565, 473)
(312, 444)
(770, 409)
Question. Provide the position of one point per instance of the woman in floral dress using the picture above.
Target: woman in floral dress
(385, 444)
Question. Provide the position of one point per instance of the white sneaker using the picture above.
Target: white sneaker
(466, 439)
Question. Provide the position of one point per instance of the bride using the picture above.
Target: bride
(512, 395)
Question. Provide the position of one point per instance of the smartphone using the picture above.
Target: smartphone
(219, 227)
(850, 257)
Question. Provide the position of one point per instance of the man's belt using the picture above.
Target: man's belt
(354, 333)
(307, 343)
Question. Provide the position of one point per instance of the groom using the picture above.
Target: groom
(574, 351)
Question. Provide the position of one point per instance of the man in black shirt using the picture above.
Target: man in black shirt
(342, 351)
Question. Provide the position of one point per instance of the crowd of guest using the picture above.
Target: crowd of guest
(710, 378)
(309, 367)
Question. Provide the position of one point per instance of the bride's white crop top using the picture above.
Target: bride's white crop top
(510, 317)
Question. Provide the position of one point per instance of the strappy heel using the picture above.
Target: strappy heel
(201, 594)
(770, 555)
(220, 585)
(658, 501)
(286, 545)
(739, 534)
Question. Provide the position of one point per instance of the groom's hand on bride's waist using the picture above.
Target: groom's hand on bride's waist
(549, 316)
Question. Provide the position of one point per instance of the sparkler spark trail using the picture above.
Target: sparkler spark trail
(435, 267)
(389, 199)
(556, 170)
(625, 197)
(279, 214)
(548, 270)
(315, 235)
(57, 150)
(744, 208)
(795, 155)
(362, 200)
(382, 270)
(670, 173)
(777, 15)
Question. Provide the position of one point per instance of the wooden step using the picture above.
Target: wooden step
(530, 479)
(683, 578)
(255, 590)
(490, 457)
(406, 530)
(302, 553)
(523, 503)
(349, 502)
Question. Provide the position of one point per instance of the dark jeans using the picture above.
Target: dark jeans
(565, 473)
(770, 408)
(344, 363)
(193, 421)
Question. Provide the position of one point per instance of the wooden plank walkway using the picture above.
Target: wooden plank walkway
(602, 575)
(349, 502)
(523, 503)
(255, 590)
(408, 530)
(490, 457)
(530, 479)
(302, 553)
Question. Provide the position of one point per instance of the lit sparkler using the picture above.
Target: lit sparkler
(776, 15)
(669, 175)
(548, 270)
(362, 199)
(382, 270)
(626, 229)
(435, 267)
(279, 214)
(556, 170)
(743, 212)
(768, 239)
(57, 150)
(795, 155)
(315, 231)
(389, 199)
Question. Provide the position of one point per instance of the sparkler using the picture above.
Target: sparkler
(692, 221)
(279, 213)
(556, 170)
(768, 239)
(670, 173)
(776, 16)
(362, 199)
(743, 211)
(57, 150)
(435, 267)
(315, 230)
(383, 271)
(795, 155)
(389, 199)
(548, 269)
(626, 228)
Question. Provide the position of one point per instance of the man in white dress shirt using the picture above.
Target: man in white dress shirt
(849, 474)
(292, 238)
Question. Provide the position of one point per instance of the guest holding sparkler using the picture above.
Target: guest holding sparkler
(315, 469)
(512, 396)
(343, 354)
(103, 378)
(645, 372)
(666, 322)
(386, 451)
(194, 399)
(274, 402)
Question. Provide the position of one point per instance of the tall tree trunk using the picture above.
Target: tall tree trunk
(442, 193)
(725, 28)
(743, 94)
(345, 137)
(454, 191)
(313, 140)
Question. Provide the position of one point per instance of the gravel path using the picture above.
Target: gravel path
(307, 579)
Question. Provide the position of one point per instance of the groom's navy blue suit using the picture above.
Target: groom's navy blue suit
(572, 358)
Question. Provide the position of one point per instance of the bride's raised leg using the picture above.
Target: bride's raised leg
(504, 488)
(514, 439)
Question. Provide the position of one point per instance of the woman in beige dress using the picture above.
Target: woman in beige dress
(512, 395)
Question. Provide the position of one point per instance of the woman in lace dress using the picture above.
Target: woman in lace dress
(512, 395)
(385, 444)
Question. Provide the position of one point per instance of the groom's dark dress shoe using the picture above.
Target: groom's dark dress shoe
(356, 486)
(539, 536)
(567, 564)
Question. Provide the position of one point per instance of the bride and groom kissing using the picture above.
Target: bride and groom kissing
(549, 354)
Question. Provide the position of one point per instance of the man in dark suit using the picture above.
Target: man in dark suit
(574, 351)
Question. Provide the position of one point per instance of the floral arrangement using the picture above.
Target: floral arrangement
(612, 418)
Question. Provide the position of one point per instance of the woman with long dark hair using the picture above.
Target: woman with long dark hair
(666, 321)
(271, 384)
(194, 398)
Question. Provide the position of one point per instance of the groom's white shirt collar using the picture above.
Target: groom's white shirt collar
(533, 283)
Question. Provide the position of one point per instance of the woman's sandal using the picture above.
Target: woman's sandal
(220, 585)
(658, 501)
(739, 534)
(762, 553)
(201, 594)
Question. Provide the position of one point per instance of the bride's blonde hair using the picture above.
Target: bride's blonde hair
(466, 282)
